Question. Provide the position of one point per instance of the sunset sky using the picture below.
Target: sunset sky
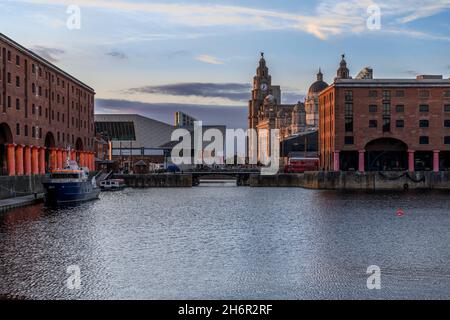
(157, 57)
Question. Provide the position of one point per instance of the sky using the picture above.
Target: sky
(158, 57)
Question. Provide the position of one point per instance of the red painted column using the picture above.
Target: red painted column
(411, 167)
(59, 159)
(42, 160)
(362, 161)
(27, 160)
(53, 159)
(73, 155)
(64, 158)
(336, 164)
(34, 161)
(19, 160)
(11, 156)
(436, 166)
(82, 163)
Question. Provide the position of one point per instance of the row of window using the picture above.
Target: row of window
(401, 123)
(37, 133)
(59, 82)
(348, 108)
(423, 140)
(386, 94)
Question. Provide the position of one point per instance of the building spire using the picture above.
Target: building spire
(320, 75)
(343, 72)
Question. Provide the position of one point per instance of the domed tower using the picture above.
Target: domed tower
(343, 72)
(312, 100)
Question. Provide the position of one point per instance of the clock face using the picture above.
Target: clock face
(263, 86)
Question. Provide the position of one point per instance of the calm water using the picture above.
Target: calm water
(224, 242)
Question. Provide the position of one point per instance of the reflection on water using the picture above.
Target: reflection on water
(217, 242)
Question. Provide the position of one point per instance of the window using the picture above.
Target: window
(40, 111)
(26, 131)
(40, 133)
(400, 123)
(424, 123)
(348, 95)
(18, 129)
(9, 55)
(373, 123)
(373, 108)
(17, 82)
(17, 104)
(399, 93)
(447, 123)
(386, 95)
(424, 140)
(33, 88)
(33, 108)
(447, 94)
(17, 61)
(400, 108)
(447, 108)
(447, 140)
(117, 130)
(386, 125)
(9, 101)
(8, 77)
(386, 109)
(348, 109)
(373, 93)
(33, 68)
(349, 125)
(424, 93)
(33, 132)
(349, 140)
(424, 108)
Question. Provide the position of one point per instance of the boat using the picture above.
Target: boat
(70, 185)
(112, 184)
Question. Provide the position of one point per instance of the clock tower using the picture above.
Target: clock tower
(262, 83)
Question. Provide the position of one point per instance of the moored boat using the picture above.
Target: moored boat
(112, 184)
(70, 185)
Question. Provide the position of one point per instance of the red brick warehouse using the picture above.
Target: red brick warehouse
(44, 111)
(368, 124)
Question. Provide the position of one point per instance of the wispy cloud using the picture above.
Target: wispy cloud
(329, 19)
(231, 91)
(117, 55)
(50, 54)
(208, 59)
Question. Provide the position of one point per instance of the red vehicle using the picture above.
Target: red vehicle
(300, 165)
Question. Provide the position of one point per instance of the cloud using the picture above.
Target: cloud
(50, 54)
(231, 116)
(232, 91)
(330, 17)
(117, 55)
(208, 59)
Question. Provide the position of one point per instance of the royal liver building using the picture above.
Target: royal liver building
(266, 111)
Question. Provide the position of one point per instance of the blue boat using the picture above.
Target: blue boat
(69, 186)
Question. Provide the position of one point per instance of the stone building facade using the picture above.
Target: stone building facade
(265, 111)
(43, 112)
(368, 124)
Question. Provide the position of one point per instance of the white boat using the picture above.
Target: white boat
(112, 184)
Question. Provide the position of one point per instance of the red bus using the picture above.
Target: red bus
(300, 165)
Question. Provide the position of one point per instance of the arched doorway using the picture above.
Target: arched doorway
(386, 154)
(49, 144)
(5, 138)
